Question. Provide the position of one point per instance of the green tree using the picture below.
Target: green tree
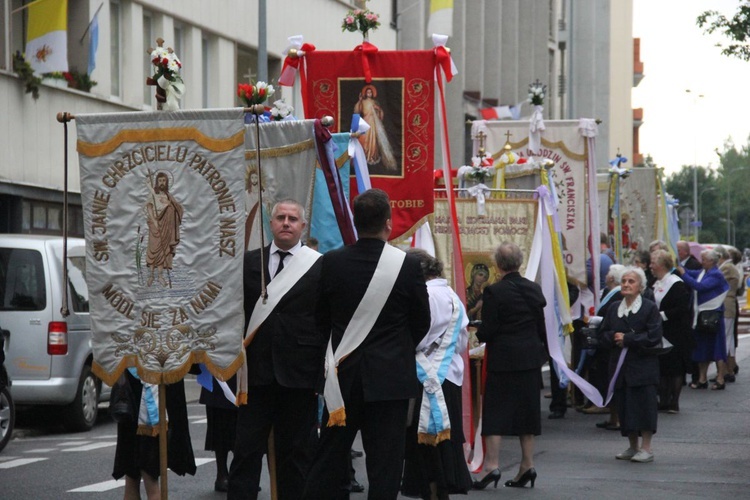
(680, 185)
(734, 170)
(735, 28)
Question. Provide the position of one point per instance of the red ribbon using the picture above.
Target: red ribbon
(366, 48)
(295, 61)
(443, 59)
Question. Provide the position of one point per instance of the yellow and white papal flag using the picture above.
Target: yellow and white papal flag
(441, 18)
(47, 38)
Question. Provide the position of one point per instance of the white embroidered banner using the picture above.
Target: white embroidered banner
(563, 144)
(164, 217)
(288, 158)
(638, 210)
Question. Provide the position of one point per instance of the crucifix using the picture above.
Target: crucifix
(481, 135)
(249, 75)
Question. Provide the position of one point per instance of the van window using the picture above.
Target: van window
(79, 292)
(22, 283)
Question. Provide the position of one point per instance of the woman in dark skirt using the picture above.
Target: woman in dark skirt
(630, 328)
(221, 427)
(513, 329)
(137, 452)
(434, 464)
(673, 299)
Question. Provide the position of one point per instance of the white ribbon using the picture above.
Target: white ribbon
(440, 41)
(479, 191)
(174, 90)
(536, 127)
(357, 153)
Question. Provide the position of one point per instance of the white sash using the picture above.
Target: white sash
(359, 327)
(434, 422)
(708, 305)
(298, 266)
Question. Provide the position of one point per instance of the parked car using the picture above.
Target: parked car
(7, 408)
(49, 356)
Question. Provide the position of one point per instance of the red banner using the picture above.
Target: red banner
(398, 104)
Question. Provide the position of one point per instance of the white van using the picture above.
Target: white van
(48, 356)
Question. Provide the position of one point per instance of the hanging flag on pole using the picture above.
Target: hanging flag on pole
(93, 42)
(441, 18)
(500, 112)
(47, 38)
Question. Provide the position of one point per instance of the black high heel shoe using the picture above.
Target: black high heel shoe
(529, 475)
(492, 476)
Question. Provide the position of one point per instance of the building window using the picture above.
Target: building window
(39, 217)
(114, 53)
(177, 45)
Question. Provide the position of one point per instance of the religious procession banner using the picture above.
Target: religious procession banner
(634, 209)
(563, 144)
(511, 220)
(287, 170)
(323, 224)
(393, 91)
(164, 216)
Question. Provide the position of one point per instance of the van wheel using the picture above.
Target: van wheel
(81, 414)
(7, 417)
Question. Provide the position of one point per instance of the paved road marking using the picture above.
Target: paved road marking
(41, 450)
(201, 421)
(19, 462)
(94, 446)
(119, 483)
(75, 443)
(103, 486)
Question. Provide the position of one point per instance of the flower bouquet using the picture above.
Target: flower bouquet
(360, 20)
(254, 94)
(480, 171)
(167, 79)
(281, 111)
(537, 92)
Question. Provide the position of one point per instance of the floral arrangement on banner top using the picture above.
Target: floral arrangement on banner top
(537, 91)
(166, 79)
(360, 20)
(480, 170)
(254, 94)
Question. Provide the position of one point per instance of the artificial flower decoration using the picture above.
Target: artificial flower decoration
(281, 110)
(252, 94)
(360, 20)
(537, 92)
(166, 63)
(480, 170)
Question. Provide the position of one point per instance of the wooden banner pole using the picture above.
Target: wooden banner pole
(163, 442)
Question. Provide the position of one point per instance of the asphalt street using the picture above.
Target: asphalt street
(702, 452)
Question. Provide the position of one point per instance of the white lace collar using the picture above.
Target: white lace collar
(624, 310)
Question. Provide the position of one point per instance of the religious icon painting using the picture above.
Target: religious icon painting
(394, 92)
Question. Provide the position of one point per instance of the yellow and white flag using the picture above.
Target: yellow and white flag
(441, 18)
(47, 38)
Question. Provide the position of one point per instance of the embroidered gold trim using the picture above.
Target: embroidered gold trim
(160, 134)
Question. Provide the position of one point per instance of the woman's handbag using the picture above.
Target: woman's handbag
(708, 322)
(122, 404)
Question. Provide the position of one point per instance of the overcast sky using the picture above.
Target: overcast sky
(680, 128)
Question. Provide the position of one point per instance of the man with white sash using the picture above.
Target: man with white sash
(284, 359)
(373, 302)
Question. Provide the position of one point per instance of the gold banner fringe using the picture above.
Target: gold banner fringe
(337, 417)
(170, 377)
(94, 150)
(433, 439)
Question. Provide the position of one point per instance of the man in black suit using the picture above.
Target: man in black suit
(685, 258)
(284, 353)
(370, 362)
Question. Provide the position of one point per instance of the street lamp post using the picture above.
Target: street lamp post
(734, 231)
(700, 212)
(695, 162)
(729, 200)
